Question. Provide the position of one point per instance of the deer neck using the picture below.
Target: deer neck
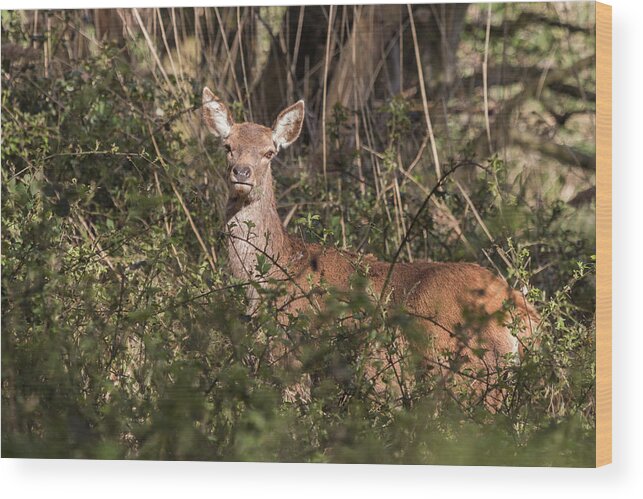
(254, 228)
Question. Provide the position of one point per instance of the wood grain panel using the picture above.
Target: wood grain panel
(603, 234)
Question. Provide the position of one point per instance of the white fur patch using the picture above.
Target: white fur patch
(515, 346)
(217, 118)
(288, 126)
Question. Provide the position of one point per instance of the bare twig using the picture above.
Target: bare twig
(331, 18)
(484, 78)
(425, 104)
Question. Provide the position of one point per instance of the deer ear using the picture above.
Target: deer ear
(288, 125)
(216, 114)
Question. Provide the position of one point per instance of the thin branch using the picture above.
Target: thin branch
(485, 89)
(422, 84)
(331, 18)
(436, 188)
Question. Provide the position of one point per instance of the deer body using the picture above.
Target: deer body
(441, 296)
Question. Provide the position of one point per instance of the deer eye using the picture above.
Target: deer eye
(227, 148)
(269, 155)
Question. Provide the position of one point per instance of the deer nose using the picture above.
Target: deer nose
(242, 173)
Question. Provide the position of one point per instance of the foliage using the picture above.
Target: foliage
(123, 337)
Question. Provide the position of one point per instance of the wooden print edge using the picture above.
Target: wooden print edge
(603, 234)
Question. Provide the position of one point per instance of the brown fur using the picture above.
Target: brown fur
(459, 305)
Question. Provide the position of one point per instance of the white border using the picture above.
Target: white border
(624, 478)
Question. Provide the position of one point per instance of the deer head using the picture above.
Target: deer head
(251, 147)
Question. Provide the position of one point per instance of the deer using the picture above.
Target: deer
(441, 296)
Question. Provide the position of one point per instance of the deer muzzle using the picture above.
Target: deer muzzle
(241, 178)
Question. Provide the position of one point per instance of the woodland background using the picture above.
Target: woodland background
(122, 337)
